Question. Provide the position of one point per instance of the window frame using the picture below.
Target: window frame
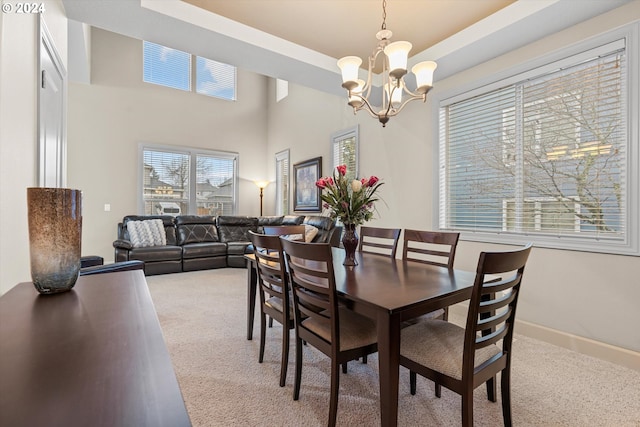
(630, 243)
(193, 154)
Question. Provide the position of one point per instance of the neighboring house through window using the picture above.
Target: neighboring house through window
(178, 180)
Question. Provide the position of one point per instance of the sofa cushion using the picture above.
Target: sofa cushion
(196, 229)
(202, 250)
(293, 219)
(146, 233)
(236, 228)
(324, 224)
(239, 248)
(157, 253)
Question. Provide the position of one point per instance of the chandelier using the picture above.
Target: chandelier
(394, 68)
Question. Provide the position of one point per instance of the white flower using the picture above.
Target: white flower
(356, 185)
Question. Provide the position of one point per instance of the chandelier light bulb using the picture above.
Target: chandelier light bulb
(394, 93)
(397, 52)
(349, 65)
(424, 75)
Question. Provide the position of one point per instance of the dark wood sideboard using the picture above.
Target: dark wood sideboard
(93, 356)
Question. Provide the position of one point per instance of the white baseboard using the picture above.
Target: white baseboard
(618, 355)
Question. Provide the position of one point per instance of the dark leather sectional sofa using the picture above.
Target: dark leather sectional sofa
(196, 242)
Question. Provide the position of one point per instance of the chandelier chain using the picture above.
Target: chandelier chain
(384, 15)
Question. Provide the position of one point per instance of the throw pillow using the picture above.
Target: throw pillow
(310, 232)
(146, 233)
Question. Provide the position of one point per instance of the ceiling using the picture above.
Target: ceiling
(329, 26)
(300, 41)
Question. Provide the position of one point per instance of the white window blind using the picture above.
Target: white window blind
(172, 68)
(187, 181)
(165, 66)
(344, 151)
(215, 79)
(282, 182)
(546, 156)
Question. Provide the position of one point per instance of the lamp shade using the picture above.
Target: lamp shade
(424, 75)
(349, 66)
(397, 52)
(394, 93)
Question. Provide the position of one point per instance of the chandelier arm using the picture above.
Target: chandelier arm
(405, 102)
(365, 103)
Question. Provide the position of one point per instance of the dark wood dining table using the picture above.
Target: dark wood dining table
(389, 291)
(93, 356)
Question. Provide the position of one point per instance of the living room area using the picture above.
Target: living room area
(582, 300)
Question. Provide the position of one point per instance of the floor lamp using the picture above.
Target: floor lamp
(261, 185)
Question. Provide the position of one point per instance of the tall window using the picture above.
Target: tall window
(282, 182)
(175, 181)
(172, 68)
(344, 151)
(544, 157)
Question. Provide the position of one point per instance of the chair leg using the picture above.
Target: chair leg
(263, 333)
(335, 384)
(364, 359)
(285, 355)
(298, 376)
(344, 368)
(271, 322)
(467, 407)
(491, 389)
(412, 382)
(438, 390)
(505, 385)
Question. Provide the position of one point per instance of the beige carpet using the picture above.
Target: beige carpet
(203, 317)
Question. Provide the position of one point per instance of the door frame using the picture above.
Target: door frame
(47, 46)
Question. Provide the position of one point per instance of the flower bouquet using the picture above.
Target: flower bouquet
(350, 201)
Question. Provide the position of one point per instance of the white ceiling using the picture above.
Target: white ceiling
(300, 40)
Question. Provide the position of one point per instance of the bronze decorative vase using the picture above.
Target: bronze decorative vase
(350, 243)
(55, 235)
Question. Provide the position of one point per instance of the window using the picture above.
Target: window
(172, 68)
(180, 181)
(282, 183)
(344, 151)
(544, 156)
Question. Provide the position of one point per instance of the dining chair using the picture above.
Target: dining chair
(461, 359)
(376, 240)
(431, 247)
(296, 232)
(321, 321)
(273, 288)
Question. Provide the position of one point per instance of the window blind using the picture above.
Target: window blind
(165, 66)
(282, 183)
(344, 149)
(215, 79)
(188, 181)
(543, 156)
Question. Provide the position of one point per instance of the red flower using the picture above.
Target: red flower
(342, 169)
(329, 181)
(373, 180)
(321, 183)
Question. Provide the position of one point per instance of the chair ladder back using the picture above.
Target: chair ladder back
(493, 304)
(384, 239)
(430, 247)
(272, 277)
(310, 268)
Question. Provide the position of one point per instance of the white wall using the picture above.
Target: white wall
(18, 130)
(117, 111)
(594, 296)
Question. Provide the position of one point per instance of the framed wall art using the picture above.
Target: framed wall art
(306, 196)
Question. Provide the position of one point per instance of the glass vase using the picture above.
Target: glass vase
(55, 233)
(350, 244)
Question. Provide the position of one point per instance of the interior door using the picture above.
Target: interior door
(52, 113)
